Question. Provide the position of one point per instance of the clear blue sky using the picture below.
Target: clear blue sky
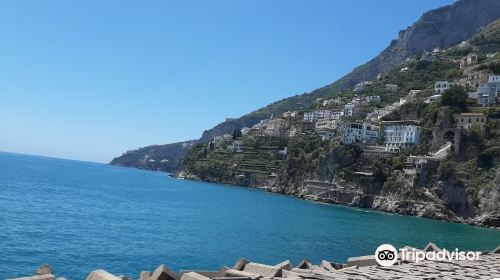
(93, 78)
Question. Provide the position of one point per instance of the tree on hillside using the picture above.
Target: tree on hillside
(236, 133)
(455, 97)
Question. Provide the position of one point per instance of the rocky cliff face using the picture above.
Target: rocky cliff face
(443, 28)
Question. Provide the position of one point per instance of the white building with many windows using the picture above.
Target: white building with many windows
(441, 86)
(359, 133)
(319, 114)
(326, 124)
(372, 98)
(350, 110)
(400, 134)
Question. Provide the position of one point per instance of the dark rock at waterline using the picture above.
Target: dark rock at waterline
(44, 269)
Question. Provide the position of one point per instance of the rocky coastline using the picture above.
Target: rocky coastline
(345, 195)
(487, 266)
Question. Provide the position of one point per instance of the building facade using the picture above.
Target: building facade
(400, 135)
(359, 133)
(468, 120)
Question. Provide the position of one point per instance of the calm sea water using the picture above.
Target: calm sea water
(81, 216)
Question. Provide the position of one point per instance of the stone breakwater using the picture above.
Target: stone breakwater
(363, 267)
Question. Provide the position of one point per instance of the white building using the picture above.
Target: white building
(326, 124)
(372, 98)
(359, 133)
(484, 95)
(400, 134)
(336, 115)
(360, 86)
(319, 114)
(442, 86)
(235, 147)
(487, 93)
(350, 110)
(494, 79)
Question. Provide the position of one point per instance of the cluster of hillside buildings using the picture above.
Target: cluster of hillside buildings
(484, 86)
(378, 137)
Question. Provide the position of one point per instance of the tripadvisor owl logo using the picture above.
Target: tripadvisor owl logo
(386, 255)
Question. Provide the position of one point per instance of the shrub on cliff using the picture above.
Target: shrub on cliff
(455, 97)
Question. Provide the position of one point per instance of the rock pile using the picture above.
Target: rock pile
(364, 267)
(43, 272)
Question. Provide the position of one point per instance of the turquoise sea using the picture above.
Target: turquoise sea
(81, 216)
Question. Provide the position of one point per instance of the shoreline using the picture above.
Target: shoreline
(472, 222)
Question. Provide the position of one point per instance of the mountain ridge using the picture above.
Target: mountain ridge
(442, 27)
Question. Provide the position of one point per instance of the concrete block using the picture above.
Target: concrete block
(289, 274)
(101, 275)
(36, 277)
(262, 269)
(286, 265)
(238, 273)
(208, 274)
(305, 264)
(193, 276)
(163, 273)
(240, 264)
(327, 265)
(144, 275)
(497, 250)
(362, 261)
